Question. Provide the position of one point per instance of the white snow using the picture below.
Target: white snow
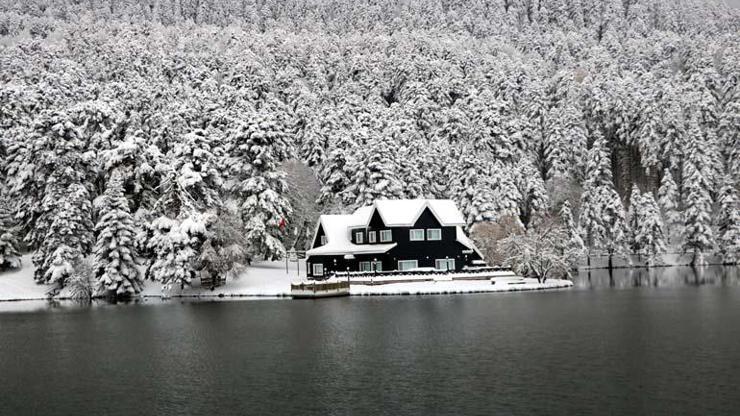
(269, 279)
(394, 213)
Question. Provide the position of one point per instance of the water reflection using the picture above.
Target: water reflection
(674, 276)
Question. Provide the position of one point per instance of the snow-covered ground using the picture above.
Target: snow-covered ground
(269, 279)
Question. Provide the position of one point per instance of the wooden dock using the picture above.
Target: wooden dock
(319, 289)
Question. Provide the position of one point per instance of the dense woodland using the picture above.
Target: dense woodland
(190, 136)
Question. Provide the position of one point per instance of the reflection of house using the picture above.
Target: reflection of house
(392, 235)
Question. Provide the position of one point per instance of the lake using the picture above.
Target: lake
(664, 342)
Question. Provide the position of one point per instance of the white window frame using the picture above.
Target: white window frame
(377, 266)
(324, 240)
(438, 230)
(368, 268)
(449, 264)
(418, 231)
(371, 236)
(384, 233)
(359, 237)
(317, 269)
(416, 264)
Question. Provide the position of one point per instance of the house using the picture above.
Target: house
(392, 235)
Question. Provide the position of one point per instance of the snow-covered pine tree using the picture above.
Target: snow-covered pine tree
(534, 201)
(598, 176)
(602, 216)
(648, 233)
(256, 148)
(473, 192)
(376, 173)
(574, 246)
(728, 222)
(176, 245)
(68, 239)
(136, 159)
(195, 161)
(10, 257)
(633, 217)
(698, 235)
(115, 263)
(668, 202)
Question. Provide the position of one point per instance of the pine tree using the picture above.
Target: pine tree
(256, 148)
(115, 256)
(668, 202)
(633, 217)
(176, 246)
(602, 214)
(534, 201)
(698, 236)
(10, 257)
(472, 191)
(68, 239)
(376, 173)
(648, 232)
(728, 222)
(574, 246)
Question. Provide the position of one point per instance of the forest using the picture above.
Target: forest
(172, 140)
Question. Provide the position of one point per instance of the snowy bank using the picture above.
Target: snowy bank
(269, 279)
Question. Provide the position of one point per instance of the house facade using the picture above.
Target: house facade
(392, 235)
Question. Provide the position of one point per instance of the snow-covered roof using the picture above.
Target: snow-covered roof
(405, 212)
(395, 213)
(336, 228)
(466, 241)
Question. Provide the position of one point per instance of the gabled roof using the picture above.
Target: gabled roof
(405, 212)
(336, 228)
(394, 213)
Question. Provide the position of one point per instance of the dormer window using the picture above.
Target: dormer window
(416, 235)
(359, 237)
(323, 240)
(434, 234)
(371, 236)
(386, 236)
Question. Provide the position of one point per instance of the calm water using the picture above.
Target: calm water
(665, 343)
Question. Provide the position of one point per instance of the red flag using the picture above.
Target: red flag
(282, 224)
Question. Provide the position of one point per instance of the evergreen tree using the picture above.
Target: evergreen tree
(10, 257)
(728, 222)
(698, 236)
(376, 173)
(256, 148)
(602, 214)
(472, 191)
(648, 233)
(633, 217)
(668, 202)
(534, 201)
(68, 239)
(115, 255)
(575, 246)
(176, 245)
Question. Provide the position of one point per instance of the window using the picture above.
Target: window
(323, 240)
(318, 269)
(386, 236)
(416, 235)
(369, 266)
(444, 264)
(434, 234)
(371, 236)
(359, 238)
(407, 264)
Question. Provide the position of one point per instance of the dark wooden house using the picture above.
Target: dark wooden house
(392, 235)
